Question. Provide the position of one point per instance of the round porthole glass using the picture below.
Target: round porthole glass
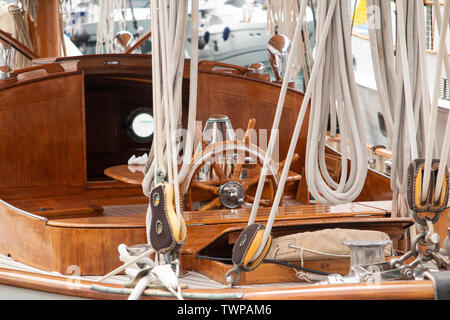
(141, 125)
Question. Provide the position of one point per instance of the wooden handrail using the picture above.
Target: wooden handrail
(50, 68)
(139, 42)
(430, 3)
(27, 52)
(209, 66)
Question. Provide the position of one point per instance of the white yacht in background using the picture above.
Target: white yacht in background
(234, 32)
(81, 25)
(231, 31)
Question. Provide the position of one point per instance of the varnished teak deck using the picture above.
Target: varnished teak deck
(55, 244)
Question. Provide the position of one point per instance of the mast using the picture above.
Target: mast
(45, 31)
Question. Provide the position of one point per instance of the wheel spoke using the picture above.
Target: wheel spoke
(241, 157)
(237, 170)
(211, 205)
(262, 202)
(205, 187)
(219, 172)
(250, 127)
(283, 163)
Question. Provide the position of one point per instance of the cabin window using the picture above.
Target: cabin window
(445, 90)
(429, 27)
(141, 125)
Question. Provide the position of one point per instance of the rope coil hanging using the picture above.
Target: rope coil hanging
(282, 19)
(168, 28)
(21, 29)
(443, 59)
(166, 230)
(106, 24)
(333, 64)
(404, 94)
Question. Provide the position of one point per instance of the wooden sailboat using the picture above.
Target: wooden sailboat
(62, 128)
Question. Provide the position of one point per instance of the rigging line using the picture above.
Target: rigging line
(433, 118)
(377, 60)
(169, 18)
(313, 12)
(176, 77)
(422, 81)
(407, 83)
(354, 15)
(167, 98)
(158, 154)
(157, 148)
(277, 118)
(187, 155)
(438, 18)
(338, 43)
(296, 133)
(446, 142)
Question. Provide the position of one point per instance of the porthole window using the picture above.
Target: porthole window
(141, 125)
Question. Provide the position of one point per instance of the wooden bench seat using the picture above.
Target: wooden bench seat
(82, 207)
(59, 208)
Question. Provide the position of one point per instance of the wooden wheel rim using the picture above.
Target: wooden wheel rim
(210, 156)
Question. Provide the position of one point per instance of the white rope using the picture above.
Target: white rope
(169, 23)
(106, 24)
(128, 263)
(403, 89)
(339, 65)
(159, 148)
(441, 58)
(327, 19)
(140, 287)
(31, 7)
(334, 44)
(189, 148)
(156, 85)
(281, 18)
(384, 64)
(412, 132)
(21, 32)
(407, 108)
(277, 118)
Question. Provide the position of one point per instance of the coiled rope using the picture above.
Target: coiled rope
(282, 19)
(404, 93)
(333, 64)
(168, 42)
(21, 31)
(106, 24)
(443, 23)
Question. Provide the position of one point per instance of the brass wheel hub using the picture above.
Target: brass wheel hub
(232, 194)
